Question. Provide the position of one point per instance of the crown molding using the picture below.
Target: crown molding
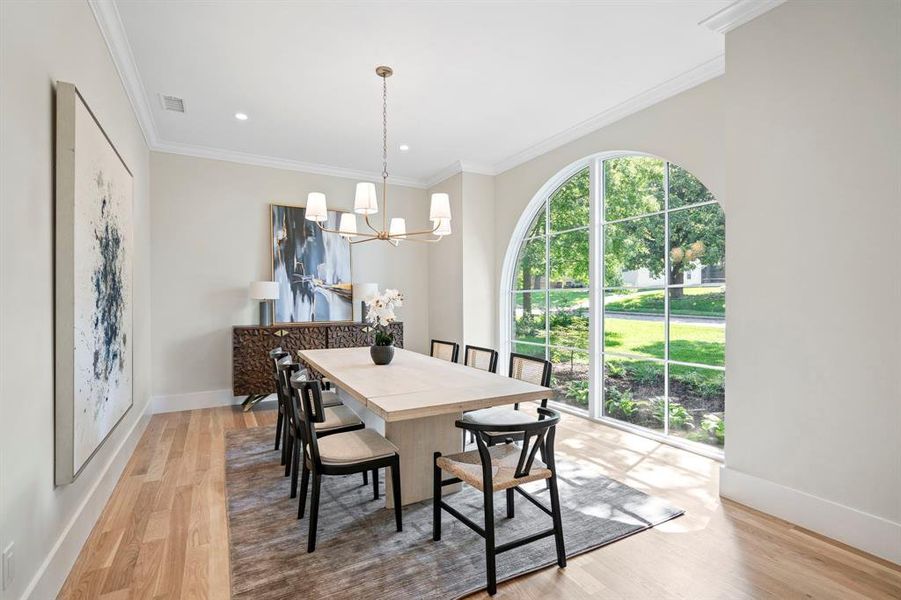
(459, 166)
(110, 23)
(259, 160)
(737, 14)
(689, 79)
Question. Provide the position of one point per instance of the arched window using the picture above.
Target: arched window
(616, 274)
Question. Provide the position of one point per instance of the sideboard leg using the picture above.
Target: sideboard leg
(252, 401)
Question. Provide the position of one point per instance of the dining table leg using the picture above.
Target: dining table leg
(418, 440)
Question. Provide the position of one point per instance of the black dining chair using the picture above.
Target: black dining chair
(448, 351)
(491, 469)
(478, 357)
(335, 419)
(522, 367)
(358, 451)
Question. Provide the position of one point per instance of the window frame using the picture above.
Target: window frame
(596, 289)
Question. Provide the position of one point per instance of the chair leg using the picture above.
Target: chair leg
(295, 464)
(375, 484)
(287, 451)
(436, 498)
(314, 512)
(558, 522)
(278, 429)
(304, 484)
(490, 564)
(510, 503)
(285, 437)
(395, 489)
(365, 477)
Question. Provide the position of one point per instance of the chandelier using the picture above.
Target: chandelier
(366, 202)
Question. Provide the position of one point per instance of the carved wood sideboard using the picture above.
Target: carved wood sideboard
(251, 372)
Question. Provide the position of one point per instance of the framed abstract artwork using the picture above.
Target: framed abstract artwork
(94, 283)
(312, 268)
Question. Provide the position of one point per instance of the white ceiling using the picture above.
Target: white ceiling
(487, 83)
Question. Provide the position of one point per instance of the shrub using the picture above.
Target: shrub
(578, 392)
(620, 405)
(715, 427)
(645, 373)
(679, 417)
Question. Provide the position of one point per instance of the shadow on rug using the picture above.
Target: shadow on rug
(360, 555)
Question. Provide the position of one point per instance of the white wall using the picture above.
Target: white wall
(43, 42)
(814, 346)
(211, 232)
(479, 280)
(446, 270)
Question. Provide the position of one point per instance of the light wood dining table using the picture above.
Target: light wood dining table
(414, 402)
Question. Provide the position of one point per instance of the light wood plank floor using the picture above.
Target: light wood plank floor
(164, 534)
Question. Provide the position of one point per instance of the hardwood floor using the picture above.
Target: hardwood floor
(164, 534)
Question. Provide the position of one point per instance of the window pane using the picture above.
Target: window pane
(634, 391)
(697, 404)
(569, 318)
(530, 265)
(569, 204)
(698, 245)
(529, 317)
(633, 186)
(633, 253)
(527, 349)
(537, 226)
(631, 332)
(569, 259)
(570, 377)
(684, 189)
(697, 327)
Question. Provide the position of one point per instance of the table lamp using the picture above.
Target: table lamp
(265, 292)
(362, 292)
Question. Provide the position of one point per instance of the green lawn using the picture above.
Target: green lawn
(689, 342)
(700, 302)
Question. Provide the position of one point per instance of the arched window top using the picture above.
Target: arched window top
(616, 274)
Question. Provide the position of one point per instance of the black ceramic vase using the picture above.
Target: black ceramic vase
(381, 355)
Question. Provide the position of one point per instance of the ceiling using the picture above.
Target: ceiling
(483, 85)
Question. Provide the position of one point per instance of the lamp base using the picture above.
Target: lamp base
(265, 314)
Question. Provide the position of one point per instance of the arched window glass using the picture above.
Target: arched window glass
(653, 298)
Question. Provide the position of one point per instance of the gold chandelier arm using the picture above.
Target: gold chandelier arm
(339, 232)
(366, 218)
(420, 240)
(369, 238)
(425, 231)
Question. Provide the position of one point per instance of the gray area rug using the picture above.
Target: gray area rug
(360, 555)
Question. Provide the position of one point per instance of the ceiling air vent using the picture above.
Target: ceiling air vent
(172, 103)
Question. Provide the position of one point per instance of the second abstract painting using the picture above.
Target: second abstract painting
(311, 266)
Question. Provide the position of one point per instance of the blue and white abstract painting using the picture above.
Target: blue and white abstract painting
(311, 266)
(102, 263)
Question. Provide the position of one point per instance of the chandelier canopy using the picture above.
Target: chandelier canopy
(366, 201)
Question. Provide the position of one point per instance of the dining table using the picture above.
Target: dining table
(415, 401)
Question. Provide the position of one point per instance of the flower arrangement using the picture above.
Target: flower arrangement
(380, 314)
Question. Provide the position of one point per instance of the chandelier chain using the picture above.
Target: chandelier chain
(384, 127)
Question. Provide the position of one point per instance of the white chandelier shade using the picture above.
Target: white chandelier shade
(316, 208)
(442, 226)
(365, 201)
(348, 224)
(440, 208)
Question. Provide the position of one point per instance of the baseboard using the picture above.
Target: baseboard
(52, 573)
(872, 534)
(196, 400)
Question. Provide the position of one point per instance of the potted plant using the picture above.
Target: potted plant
(380, 315)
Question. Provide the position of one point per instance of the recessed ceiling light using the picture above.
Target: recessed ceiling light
(403, 148)
(241, 116)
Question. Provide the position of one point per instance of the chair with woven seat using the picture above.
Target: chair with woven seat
(358, 451)
(491, 469)
(336, 418)
(448, 351)
(522, 367)
(480, 358)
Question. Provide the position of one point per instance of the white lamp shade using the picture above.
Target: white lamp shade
(316, 208)
(440, 208)
(365, 291)
(365, 202)
(348, 224)
(264, 290)
(444, 226)
(398, 227)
